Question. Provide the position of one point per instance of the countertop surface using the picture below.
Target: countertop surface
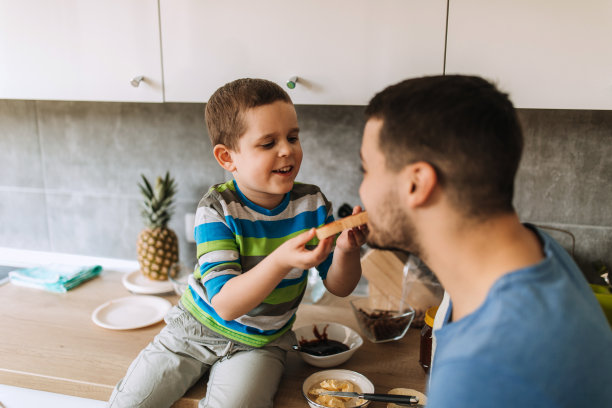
(50, 343)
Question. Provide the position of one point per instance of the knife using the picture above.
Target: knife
(407, 400)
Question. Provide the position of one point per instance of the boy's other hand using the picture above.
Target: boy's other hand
(352, 239)
(294, 254)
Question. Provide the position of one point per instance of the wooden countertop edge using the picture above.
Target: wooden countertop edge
(59, 385)
(74, 388)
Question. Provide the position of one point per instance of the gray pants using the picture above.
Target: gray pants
(240, 376)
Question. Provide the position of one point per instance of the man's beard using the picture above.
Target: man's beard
(395, 231)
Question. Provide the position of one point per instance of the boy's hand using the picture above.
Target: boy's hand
(293, 253)
(352, 239)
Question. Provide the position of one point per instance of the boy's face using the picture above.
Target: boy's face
(269, 153)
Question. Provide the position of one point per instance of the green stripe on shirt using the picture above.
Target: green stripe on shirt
(282, 295)
(265, 246)
(253, 340)
(218, 245)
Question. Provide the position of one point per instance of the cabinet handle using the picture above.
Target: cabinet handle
(136, 81)
(291, 82)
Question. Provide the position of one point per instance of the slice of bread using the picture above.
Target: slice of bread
(335, 227)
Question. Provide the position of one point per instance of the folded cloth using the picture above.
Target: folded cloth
(54, 278)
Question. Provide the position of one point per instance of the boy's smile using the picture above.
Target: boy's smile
(269, 154)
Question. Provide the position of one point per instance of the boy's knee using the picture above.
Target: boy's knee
(246, 379)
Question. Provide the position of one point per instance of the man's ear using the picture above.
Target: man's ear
(421, 180)
(224, 157)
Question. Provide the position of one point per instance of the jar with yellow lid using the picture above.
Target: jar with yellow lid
(426, 338)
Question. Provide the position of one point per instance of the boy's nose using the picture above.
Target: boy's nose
(284, 149)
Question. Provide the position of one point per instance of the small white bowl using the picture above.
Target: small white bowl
(360, 381)
(335, 331)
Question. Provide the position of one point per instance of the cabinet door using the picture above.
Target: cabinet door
(80, 50)
(546, 54)
(342, 51)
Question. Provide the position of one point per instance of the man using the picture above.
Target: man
(439, 156)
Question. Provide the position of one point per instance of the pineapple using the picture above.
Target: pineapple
(157, 244)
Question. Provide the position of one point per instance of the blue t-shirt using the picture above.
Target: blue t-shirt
(540, 339)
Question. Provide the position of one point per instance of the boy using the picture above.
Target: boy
(255, 242)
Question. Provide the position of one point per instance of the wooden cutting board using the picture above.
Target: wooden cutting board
(384, 271)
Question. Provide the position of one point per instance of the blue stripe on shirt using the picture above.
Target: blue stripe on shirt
(323, 268)
(278, 228)
(212, 231)
(214, 285)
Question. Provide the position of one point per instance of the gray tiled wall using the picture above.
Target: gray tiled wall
(70, 170)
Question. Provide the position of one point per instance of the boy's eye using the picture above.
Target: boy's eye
(361, 169)
(293, 139)
(267, 145)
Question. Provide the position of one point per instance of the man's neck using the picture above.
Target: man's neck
(469, 259)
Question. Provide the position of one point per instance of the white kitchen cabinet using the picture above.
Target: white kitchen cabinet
(342, 51)
(546, 53)
(80, 50)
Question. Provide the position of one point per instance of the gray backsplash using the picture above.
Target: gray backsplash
(70, 171)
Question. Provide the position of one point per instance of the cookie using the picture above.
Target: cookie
(406, 391)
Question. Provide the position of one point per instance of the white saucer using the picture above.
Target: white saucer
(136, 282)
(131, 312)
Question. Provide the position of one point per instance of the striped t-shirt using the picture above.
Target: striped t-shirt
(232, 235)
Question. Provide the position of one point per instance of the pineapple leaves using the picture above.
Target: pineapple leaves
(157, 206)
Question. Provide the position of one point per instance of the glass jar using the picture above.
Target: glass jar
(426, 338)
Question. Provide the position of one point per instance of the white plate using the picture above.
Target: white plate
(136, 282)
(131, 312)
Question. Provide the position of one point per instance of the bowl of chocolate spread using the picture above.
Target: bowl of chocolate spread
(326, 344)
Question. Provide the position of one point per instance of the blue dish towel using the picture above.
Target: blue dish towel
(54, 278)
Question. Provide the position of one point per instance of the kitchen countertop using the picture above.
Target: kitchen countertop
(50, 343)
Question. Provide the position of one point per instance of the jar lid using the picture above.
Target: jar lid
(430, 315)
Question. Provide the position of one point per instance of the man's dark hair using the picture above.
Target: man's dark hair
(461, 125)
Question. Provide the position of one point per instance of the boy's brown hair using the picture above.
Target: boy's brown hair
(226, 108)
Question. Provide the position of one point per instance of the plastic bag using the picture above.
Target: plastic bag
(420, 289)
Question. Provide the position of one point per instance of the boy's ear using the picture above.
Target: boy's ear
(224, 157)
(421, 180)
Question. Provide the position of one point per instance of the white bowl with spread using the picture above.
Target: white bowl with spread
(360, 381)
(333, 331)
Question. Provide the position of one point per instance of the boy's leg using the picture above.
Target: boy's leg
(248, 378)
(176, 358)
(156, 378)
(245, 379)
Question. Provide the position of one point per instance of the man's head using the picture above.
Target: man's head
(461, 129)
(226, 109)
